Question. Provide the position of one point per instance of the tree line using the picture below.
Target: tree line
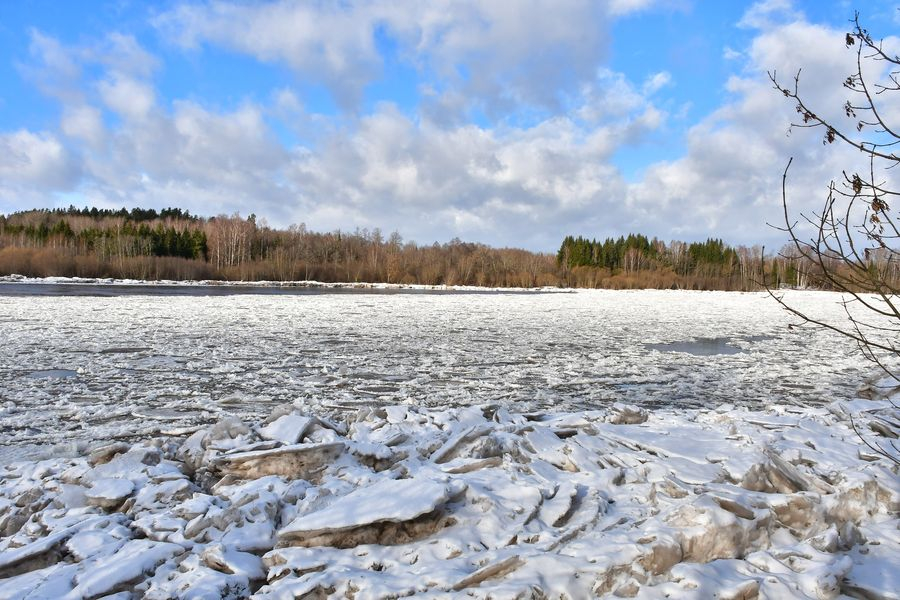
(173, 244)
(637, 261)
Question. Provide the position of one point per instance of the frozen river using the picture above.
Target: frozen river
(78, 369)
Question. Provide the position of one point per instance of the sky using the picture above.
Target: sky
(512, 123)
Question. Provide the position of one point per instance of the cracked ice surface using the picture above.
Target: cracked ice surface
(475, 502)
(78, 370)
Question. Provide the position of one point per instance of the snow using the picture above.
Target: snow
(131, 562)
(475, 500)
(109, 492)
(387, 500)
(487, 447)
(287, 429)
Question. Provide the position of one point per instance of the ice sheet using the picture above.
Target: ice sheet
(139, 365)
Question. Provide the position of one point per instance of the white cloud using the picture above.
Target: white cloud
(226, 142)
(84, 123)
(499, 54)
(122, 54)
(54, 69)
(729, 53)
(433, 174)
(431, 179)
(437, 182)
(610, 97)
(767, 14)
(287, 103)
(729, 181)
(58, 69)
(128, 97)
(505, 54)
(181, 153)
(624, 7)
(333, 43)
(35, 160)
(656, 82)
(208, 162)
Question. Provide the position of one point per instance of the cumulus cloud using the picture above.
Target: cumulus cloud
(766, 14)
(609, 98)
(545, 169)
(729, 53)
(729, 181)
(509, 185)
(465, 181)
(502, 54)
(624, 7)
(431, 179)
(656, 82)
(53, 68)
(331, 42)
(122, 54)
(85, 123)
(209, 161)
(498, 54)
(36, 161)
(129, 98)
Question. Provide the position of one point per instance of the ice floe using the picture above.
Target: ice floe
(191, 361)
(473, 502)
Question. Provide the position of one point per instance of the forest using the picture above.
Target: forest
(174, 244)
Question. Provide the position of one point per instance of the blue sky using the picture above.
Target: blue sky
(510, 123)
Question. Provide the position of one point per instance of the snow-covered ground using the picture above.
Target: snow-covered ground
(83, 370)
(610, 444)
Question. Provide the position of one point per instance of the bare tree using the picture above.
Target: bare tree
(852, 242)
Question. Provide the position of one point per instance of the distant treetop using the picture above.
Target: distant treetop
(135, 214)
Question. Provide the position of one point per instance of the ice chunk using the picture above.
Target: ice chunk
(109, 493)
(233, 562)
(12, 559)
(626, 414)
(387, 501)
(132, 562)
(288, 429)
(298, 461)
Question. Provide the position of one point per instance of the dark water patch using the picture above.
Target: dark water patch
(163, 414)
(115, 290)
(447, 382)
(699, 347)
(489, 364)
(52, 374)
(124, 350)
(371, 376)
(377, 390)
(297, 370)
(797, 386)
